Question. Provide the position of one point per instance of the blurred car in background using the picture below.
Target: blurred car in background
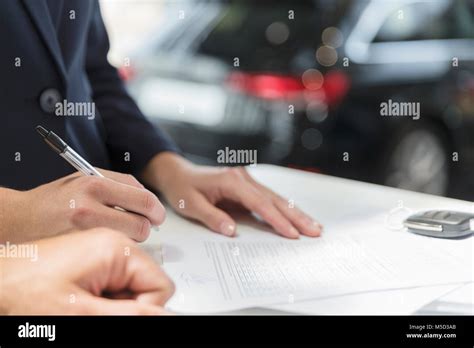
(303, 83)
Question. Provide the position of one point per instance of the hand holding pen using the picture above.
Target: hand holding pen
(83, 202)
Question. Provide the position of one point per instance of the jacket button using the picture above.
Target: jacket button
(48, 99)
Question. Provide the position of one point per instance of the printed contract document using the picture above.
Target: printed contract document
(215, 273)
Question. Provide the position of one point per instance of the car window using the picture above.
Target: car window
(265, 38)
(432, 20)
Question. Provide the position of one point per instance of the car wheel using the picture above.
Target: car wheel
(418, 161)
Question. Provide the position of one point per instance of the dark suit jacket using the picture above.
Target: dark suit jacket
(43, 63)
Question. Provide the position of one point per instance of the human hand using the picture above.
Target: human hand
(98, 271)
(201, 188)
(80, 202)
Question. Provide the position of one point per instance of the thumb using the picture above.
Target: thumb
(216, 219)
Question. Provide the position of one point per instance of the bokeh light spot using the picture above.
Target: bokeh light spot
(332, 37)
(277, 33)
(326, 55)
(317, 111)
(311, 138)
(313, 79)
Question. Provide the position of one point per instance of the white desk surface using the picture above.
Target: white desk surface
(331, 200)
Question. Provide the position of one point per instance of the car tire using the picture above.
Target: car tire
(417, 160)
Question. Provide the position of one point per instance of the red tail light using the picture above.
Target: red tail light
(270, 86)
(336, 85)
(266, 86)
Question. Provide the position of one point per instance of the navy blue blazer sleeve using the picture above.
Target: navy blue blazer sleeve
(130, 139)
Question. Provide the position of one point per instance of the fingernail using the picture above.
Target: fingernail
(227, 229)
(315, 226)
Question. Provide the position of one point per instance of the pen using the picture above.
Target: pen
(63, 149)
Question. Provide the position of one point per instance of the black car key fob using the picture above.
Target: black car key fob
(440, 223)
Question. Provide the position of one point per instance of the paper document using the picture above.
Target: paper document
(457, 302)
(392, 302)
(462, 295)
(220, 274)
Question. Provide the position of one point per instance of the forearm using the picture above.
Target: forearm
(11, 204)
